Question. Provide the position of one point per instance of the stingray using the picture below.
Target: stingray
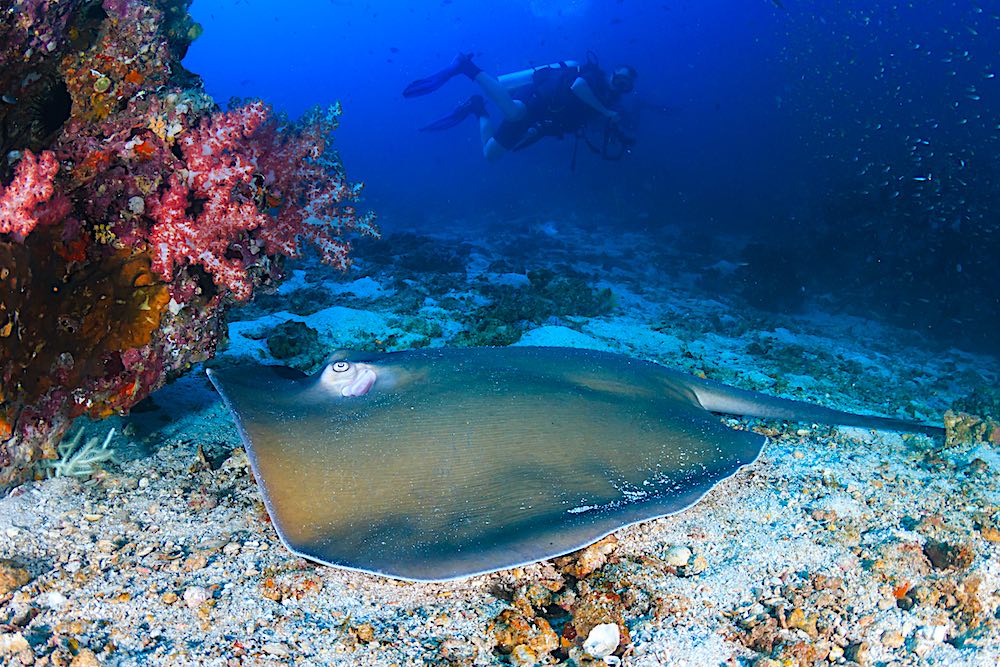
(435, 464)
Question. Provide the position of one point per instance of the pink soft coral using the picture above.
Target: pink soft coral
(30, 189)
(297, 166)
(257, 186)
(218, 163)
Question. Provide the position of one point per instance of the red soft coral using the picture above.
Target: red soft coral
(218, 164)
(31, 188)
(217, 153)
(253, 184)
(315, 195)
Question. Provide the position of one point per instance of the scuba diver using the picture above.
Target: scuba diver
(547, 101)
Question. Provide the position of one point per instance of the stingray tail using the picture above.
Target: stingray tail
(717, 397)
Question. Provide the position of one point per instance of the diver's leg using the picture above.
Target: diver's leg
(510, 108)
(492, 150)
(462, 64)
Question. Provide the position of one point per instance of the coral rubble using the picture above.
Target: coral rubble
(133, 212)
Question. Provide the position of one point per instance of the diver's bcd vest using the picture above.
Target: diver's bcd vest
(552, 84)
(553, 109)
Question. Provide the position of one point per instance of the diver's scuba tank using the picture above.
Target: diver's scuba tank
(524, 77)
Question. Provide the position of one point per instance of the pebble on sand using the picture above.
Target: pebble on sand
(677, 556)
(195, 596)
(602, 640)
(12, 643)
(12, 576)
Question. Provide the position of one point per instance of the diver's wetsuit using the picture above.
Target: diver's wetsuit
(552, 109)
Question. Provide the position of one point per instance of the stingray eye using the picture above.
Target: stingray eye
(341, 366)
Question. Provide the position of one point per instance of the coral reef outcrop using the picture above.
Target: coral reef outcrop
(134, 212)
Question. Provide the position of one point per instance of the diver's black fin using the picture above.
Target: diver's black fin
(462, 64)
(474, 106)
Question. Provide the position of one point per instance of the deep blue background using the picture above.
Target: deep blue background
(769, 107)
(870, 130)
(727, 141)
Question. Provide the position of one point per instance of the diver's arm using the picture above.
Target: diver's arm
(586, 94)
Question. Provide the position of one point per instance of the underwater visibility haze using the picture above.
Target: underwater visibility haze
(855, 141)
(627, 333)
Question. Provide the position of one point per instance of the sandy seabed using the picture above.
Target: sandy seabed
(838, 546)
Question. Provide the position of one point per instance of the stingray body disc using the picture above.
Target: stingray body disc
(475, 460)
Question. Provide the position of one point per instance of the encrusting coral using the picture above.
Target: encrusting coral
(135, 212)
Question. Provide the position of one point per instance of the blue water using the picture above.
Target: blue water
(867, 131)
(723, 118)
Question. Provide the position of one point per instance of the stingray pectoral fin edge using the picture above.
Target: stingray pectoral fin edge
(474, 460)
(518, 543)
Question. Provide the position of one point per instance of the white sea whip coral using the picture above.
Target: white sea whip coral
(77, 461)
